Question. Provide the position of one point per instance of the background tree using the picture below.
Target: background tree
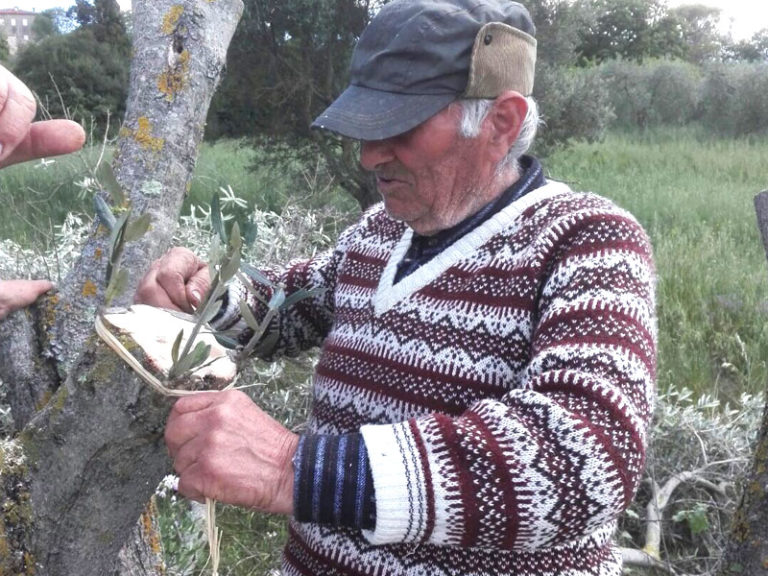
(700, 32)
(618, 28)
(45, 24)
(753, 50)
(288, 61)
(5, 50)
(83, 74)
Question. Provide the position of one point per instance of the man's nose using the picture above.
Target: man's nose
(375, 153)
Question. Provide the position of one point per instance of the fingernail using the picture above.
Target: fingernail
(195, 298)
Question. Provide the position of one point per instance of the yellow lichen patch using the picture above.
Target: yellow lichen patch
(29, 563)
(173, 80)
(89, 289)
(171, 19)
(97, 253)
(144, 136)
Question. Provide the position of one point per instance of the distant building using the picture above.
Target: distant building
(16, 25)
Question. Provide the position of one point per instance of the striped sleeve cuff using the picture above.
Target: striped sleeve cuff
(333, 482)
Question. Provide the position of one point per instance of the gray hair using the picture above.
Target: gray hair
(474, 111)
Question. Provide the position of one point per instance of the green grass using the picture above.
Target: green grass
(36, 196)
(695, 199)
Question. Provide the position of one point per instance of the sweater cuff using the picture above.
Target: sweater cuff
(404, 500)
(332, 481)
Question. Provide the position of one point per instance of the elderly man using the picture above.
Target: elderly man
(486, 376)
(21, 139)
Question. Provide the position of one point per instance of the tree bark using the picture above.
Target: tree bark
(747, 547)
(77, 476)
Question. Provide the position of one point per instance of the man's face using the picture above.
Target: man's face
(430, 177)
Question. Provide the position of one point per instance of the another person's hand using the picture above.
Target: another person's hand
(22, 139)
(226, 448)
(178, 280)
(15, 294)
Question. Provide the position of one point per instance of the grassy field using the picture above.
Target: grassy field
(695, 199)
(693, 196)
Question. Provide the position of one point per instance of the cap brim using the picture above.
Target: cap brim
(367, 114)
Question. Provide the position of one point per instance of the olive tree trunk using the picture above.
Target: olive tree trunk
(746, 551)
(89, 453)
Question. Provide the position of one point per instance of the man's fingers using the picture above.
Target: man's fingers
(197, 286)
(174, 281)
(194, 403)
(17, 294)
(178, 268)
(17, 110)
(183, 421)
(45, 139)
(36, 288)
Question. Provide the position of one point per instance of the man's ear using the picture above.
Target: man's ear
(506, 119)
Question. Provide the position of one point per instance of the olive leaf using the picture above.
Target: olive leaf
(302, 294)
(212, 310)
(138, 227)
(106, 177)
(190, 361)
(277, 300)
(116, 243)
(104, 212)
(255, 274)
(226, 340)
(248, 317)
(117, 284)
(176, 345)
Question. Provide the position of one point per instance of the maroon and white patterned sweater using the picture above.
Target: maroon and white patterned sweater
(504, 389)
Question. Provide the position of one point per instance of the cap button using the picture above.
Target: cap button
(488, 39)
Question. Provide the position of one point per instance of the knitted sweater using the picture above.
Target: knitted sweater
(503, 390)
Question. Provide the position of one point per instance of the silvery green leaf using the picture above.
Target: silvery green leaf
(104, 212)
(255, 274)
(137, 228)
(196, 357)
(301, 295)
(116, 239)
(277, 299)
(230, 267)
(226, 341)
(116, 285)
(107, 179)
(248, 317)
(212, 310)
(235, 241)
(176, 345)
(217, 222)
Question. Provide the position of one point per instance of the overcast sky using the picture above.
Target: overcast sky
(741, 17)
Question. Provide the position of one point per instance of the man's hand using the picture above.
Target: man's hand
(15, 294)
(178, 280)
(21, 139)
(226, 448)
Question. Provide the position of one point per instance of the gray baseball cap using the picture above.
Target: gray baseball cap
(418, 56)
